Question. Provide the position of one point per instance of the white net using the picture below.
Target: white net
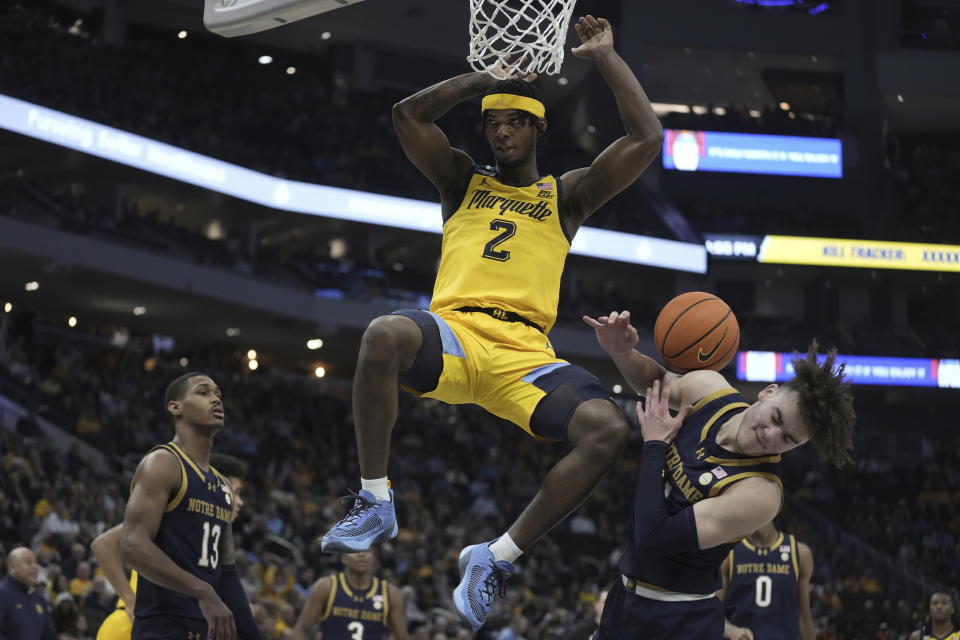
(523, 36)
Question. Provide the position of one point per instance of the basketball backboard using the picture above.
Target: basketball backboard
(231, 18)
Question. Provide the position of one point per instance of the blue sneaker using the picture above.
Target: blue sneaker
(482, 579)
(368, 521)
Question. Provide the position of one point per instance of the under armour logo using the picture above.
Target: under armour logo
(700, 453)
(499, 314)
(211, 486)
(194, 635)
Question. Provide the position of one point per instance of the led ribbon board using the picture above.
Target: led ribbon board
(771, 366)
(686, 150)
(303, 197)
(869, 254)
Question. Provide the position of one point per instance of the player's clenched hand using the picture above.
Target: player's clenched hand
(740, 633)
(220, 624)
(656, 423)
(614, 332)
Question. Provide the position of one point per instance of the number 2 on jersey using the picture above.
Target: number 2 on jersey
(508, 230)
(210, 546)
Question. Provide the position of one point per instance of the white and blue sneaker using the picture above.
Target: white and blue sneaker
(482, 580)
(368, 521)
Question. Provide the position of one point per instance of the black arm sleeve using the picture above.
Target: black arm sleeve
(233, 595)
(656, 529)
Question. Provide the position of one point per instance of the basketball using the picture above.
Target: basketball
(696, 330)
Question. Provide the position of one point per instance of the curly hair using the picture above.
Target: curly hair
(826, 404)
(228, 465)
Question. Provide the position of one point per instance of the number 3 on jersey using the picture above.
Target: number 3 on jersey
(507, 230)
(210, 547)
(356, 630)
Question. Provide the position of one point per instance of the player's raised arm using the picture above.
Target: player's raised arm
(106, 549)
(619, 339)
(156, 479)
(312, 608)
(424, 143)
(620, 164)
(803, 591)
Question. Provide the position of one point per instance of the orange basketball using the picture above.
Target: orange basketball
(696, 330)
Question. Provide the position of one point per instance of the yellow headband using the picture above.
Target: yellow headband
(510, 101)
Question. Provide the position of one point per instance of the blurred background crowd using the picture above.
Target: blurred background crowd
(882, 533)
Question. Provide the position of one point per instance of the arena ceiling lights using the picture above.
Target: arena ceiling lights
(301, 197)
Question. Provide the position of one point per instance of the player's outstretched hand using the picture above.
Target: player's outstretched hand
(614, 332)
(596, 37)
(656, 423)
(740, 633)
(220, 624)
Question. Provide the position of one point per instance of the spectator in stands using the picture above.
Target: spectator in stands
(24, 612)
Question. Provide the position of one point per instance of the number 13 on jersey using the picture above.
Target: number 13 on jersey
(210, 547)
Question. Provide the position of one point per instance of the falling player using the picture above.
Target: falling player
(709, 475)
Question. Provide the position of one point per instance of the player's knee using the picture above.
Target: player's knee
(601, 428)
(389, 340)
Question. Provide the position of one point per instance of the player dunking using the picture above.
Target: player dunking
(354, 603)
(507, 232)
(709, 475)
(766, 588)
(176, 529)
(106, 548)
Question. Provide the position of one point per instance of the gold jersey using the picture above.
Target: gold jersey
(505, 248)
(928, 635)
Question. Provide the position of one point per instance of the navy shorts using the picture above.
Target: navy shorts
(627, 616)
(168, 628)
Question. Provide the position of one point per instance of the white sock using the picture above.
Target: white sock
(379, 487)
(505, 549)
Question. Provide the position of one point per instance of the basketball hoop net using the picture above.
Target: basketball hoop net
(518, 36)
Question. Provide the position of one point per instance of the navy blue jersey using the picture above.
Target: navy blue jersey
(191, 534)
(352, 614)
(697, 468)
(762, 588)
(24, 612)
